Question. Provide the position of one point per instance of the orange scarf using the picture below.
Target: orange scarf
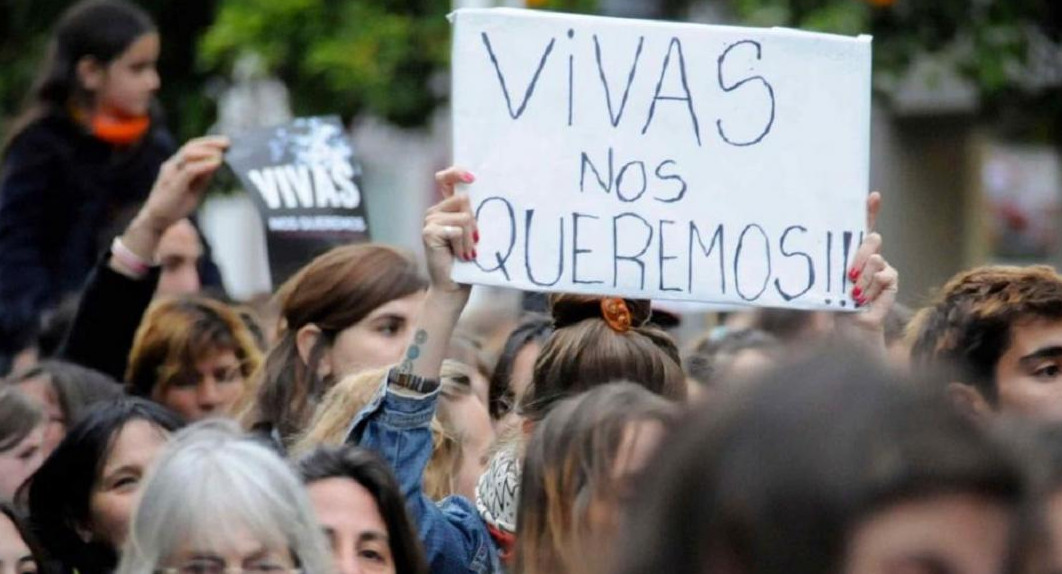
(120, 131)
(115, 130)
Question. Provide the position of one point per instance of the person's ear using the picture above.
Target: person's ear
(91, 73)
(969, 401)
(307, 339)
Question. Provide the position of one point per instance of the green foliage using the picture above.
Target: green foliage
(386, 57)
(383, 56)
(988, 36)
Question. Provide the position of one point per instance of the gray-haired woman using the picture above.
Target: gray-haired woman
(219, 502)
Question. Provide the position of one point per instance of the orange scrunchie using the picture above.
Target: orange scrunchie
(616, 314)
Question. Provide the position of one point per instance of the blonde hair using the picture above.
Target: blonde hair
(331, 422)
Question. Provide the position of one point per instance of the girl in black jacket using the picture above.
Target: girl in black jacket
(79, 160)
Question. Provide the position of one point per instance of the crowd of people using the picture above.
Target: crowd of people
(149, 425)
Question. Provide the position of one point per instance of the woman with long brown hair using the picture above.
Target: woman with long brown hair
(351, 309)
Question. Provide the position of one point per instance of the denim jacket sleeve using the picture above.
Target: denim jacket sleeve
(397, 426)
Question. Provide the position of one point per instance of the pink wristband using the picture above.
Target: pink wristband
(126, 258)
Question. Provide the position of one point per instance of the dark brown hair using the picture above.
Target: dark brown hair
(584, 352)
(968, 325)
(60, 492)
(374, 475)
(569, 465)
(334, 291)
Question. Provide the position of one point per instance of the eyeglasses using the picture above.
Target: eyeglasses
(219, 567)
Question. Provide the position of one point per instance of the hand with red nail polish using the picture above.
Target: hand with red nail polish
(874, 284)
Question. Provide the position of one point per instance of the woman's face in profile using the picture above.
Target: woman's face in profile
(944, 534)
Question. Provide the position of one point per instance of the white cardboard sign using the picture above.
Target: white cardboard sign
(662, 160)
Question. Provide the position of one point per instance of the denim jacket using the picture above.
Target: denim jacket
(397, 426)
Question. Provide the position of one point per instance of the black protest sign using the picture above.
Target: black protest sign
(305, 181)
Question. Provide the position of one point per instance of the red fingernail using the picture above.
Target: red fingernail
(853, 274)
(474, 254)
(475, 236)
(861, 301)
(468, 177)
(857, 292)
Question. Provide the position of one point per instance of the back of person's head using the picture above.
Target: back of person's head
(713, 358)
(176, 336)
(332, 420)
(215, 492)
(98, 29)
(505, 392)
(76, 388)
(61, 491)
(597, 341)
(374, 475)
(780, 475)
(970, 322)
(578, 471)
(333, 292)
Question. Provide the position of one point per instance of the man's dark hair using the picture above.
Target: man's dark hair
(968, 326)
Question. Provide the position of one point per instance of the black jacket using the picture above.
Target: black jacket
(108, 316)
(63, 194)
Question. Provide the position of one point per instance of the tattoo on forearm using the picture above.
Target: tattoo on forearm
(413, 351)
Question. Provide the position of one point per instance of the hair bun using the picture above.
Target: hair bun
(569, 308)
